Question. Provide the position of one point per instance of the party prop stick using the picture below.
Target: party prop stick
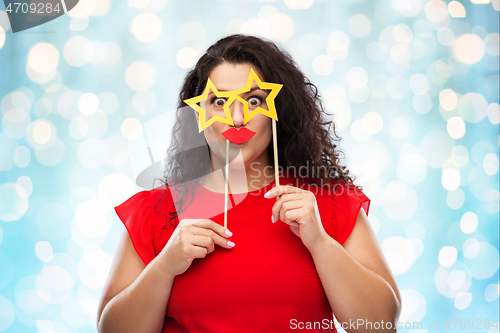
(227, 184)
(275, 149)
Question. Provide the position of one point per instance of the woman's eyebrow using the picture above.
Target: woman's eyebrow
(246, 92)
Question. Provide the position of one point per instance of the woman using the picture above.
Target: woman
(295, 253)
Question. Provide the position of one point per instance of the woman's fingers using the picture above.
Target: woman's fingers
(282, 189)
(203, 241)
(286, 213)
(209, 224)
(211, 236)
(277, 207)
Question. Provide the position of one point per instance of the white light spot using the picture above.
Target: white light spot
(482, 259)
(419, 84)
(15, 123)
(436, 11)
(490, 164)
(52, 155)
(456, 9)
(43, 251)
(78, 51)
(450, 179)
(338, 45)
(115, 188)
(401, 201)
(436, 147)
(463, 300)
(88, 103)
(140, 76)
(7, 314)
(468, 223)
(186, 57)
(43, 58)
(146, 27)
(299, 4)
(358, 131)
(310, 44)
(359, 25)
(24, 182)
(322, 64)
(422, 103)
(413, 307)
(473, 107)
(357, 77)
(468, 49)
(399, 253)
(456, 127)
(412, 168)
(491, 43)
(94, 266)
(447, 256)
(108, 102)
(455, 199)
(446, 36)
(397, 87)
(131, 128)
(2, 36)
(373, 122)
(492, 292)
(13, 202)
(42, 132)
(22, 156)
(92, 153)
(494, 113)
(280, 26)
(53, 221)
(399, 128)
(59, 281)
(78, 128)
(450, 281)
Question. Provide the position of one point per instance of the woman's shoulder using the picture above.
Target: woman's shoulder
(142, 214)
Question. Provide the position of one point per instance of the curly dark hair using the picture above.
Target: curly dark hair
(306, 135)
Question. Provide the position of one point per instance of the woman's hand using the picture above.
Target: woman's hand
(191, 239)
(298, 208)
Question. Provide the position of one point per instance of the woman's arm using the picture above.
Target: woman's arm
(135, 296)
(357, 280)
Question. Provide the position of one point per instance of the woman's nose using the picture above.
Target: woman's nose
(237, 113)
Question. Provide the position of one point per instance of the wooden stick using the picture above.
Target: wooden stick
(275, 149)
(227, 184)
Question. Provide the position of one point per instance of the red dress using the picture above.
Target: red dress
(266, 283)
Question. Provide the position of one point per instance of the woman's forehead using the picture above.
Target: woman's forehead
(229, 77)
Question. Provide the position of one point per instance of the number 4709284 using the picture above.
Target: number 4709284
(34, 8)
(471, 324)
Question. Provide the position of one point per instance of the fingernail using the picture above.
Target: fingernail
(272, 218)
(229, 243)
(267, 194)
(228, 233)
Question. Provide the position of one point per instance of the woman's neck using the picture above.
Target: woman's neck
(243, 177)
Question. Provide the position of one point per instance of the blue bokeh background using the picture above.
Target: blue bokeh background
(413, 86)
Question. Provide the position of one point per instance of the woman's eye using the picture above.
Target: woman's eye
(219, 101)
(254, 101)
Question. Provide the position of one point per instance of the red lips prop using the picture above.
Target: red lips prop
(238, 136)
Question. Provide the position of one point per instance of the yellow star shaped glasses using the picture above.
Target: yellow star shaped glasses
(233, 95)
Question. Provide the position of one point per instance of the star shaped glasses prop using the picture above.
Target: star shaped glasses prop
(233, 95)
